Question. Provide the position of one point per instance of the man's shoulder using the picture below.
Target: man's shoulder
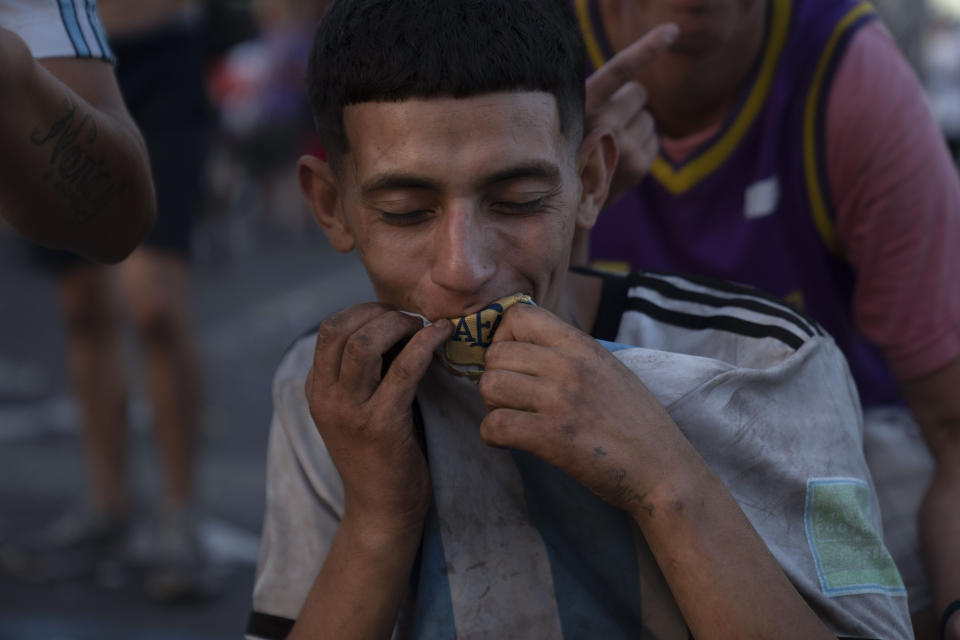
(291, 374)
(298, 357)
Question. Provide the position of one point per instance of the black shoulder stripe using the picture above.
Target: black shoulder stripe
(720, 322)
(269, 627)
(738, 288)
(669, 290)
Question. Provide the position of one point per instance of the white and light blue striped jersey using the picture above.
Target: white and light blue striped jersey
(514, 548)
(57, 28)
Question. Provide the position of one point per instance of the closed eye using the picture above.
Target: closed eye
(405, 218)
(530, 206)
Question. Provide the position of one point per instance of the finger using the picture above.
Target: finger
(521, 357)
(627, 65)
(535, 325)
(363, 351)
(514, 429)
(399, 385)
(641, 132)
(624, 106)
(651, 148)
(510, 390)
(641, 127)
(333, 335)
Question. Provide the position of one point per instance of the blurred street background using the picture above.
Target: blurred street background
(262, 274)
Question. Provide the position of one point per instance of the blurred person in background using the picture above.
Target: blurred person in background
(907, 21)
(257, 87)
(798, 154)
(75, 173)
(942, 51)
(161, 45)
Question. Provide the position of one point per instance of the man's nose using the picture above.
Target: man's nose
(463, 251)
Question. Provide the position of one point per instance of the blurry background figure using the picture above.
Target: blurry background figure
(258, 89)
(162, 46)
(255, 283)
(942, 70)
(797, 153)
(907, 21)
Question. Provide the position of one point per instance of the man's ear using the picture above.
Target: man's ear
(322, 191)
(596, 163)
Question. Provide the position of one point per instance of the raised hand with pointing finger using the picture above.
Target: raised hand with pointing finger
(617, 103)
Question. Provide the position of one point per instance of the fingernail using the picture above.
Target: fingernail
(670, 33)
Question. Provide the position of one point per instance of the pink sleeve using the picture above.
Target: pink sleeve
(898, 206)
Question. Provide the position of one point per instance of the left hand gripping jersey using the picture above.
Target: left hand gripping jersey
(513, 548)
(57, 28)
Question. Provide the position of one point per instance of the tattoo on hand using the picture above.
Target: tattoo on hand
(622, 491)
(599, 451)
(76, 171)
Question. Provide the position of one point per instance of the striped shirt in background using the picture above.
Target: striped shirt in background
(57, 28)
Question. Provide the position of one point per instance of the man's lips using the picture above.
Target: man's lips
(464, 352)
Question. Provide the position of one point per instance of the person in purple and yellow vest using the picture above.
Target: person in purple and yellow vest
(797, 154)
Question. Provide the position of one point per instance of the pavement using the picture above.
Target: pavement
(249, 305)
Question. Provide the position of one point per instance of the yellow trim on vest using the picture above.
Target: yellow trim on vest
(818, 204)
(682, 180)
(611, 266)
(596, 56)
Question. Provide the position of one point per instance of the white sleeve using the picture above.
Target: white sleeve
(57, 28)
(786, 440)
(304, 498)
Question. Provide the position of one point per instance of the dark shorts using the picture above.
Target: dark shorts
(161, 76)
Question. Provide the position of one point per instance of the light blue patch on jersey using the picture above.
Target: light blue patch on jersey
(848, 552)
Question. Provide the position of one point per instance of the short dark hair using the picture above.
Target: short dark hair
(395, 50)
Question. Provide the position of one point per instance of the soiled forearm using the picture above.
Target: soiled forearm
(74, 172)
(936, 406)
(940, 533)
(358, 592)
(723, 577)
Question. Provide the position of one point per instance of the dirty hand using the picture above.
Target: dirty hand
(557, 393)
(367, 422)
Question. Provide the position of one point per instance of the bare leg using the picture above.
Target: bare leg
(96, 369)
(156, 287)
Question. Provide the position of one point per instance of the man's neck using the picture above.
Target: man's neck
(690, 91)
(582, 296)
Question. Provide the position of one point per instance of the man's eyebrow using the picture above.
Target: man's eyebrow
(534, 169)
(399, 180)
(392, 180)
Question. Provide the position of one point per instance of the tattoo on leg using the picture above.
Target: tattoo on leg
(77, 171)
